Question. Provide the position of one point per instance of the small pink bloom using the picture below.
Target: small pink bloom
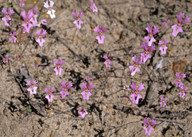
(165, 23)
(163, 47)
(183, 90)
(32, 88)
(82, 112)
(22, 3)
(78, 20)
(136, 95)
(146, 55)
(86, 93)
(12, 38)
(100, 37)
(40, 35)
(7, 15)
(88, 79)
(6, 59)
(49, 95)
(135, 68)
(148, 126)
(108, 61)
(179, 83)
(27, 24)
(150, 39)
(50, 11)
(163, 101)
(58, 68)
(178, 27)
(93, 6)
(64, 92)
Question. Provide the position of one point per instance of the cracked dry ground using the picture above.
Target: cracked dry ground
(110, 115)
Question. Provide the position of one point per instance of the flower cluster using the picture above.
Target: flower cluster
(179, 84)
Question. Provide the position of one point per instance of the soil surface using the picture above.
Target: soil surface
(109, 114)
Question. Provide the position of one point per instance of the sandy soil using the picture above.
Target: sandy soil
(110, 115)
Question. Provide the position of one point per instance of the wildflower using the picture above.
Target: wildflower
(58, 68)
(7, 17)
(163, 101)
(86, 93)
(82, 112)
(178, 27)
(145, 55)
(50, 11)
(49, 95)
(12, 38)
(88, 79)
(93, 6)
(148, 126)
(135, 68)
(27, 24)
(163, 47)
(32, 88)
(6, 59)
(22, 3)
(136, 95)
(165, 23)
(179, 83)
(107, 60)
(150, 39)
(78, 20)
(183, 90)
(40, 35)
(100, 37)
(64, 92)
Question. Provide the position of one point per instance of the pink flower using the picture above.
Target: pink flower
(82, 112)
(64, 92)
(108, 61)
(40, 35)
(93, 6)
(150, 39)
(6, 59)
(50, 11)
(58, 68)
(88, 79)
(86, 93)
(163, 47)
(178, 27)
(27, 24)
(179, 83)
(136, 95)
(164, 24)
(7, 17)
(163, 101)
(49, 95)
(148, 126)
(135, 68)
(145, 55)
(32, 88)
(22, 3)
(12, 38)
(183, 90)
(100, 37)
(78, 20)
